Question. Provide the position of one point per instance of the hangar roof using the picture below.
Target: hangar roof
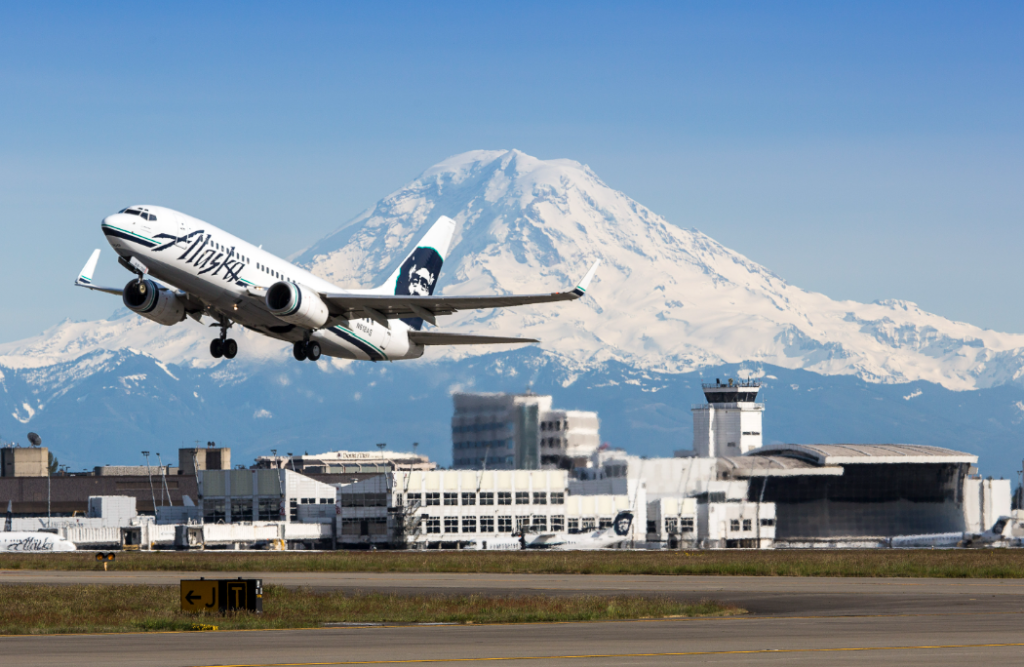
(828, 455)
(740, 467)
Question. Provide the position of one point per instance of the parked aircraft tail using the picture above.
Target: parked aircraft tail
(622, 523)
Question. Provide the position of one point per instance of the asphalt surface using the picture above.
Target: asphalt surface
(793, 621)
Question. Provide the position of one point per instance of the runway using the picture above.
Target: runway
(794, 621)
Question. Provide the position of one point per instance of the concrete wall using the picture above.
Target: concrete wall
(985, 500)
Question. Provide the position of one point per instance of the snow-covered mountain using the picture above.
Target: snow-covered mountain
(666, 299)
(667, 302)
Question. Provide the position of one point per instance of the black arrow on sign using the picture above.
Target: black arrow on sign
(189, 597)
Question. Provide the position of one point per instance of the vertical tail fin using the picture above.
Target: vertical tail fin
(419, 272)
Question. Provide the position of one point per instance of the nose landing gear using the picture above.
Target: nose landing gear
(309, 349)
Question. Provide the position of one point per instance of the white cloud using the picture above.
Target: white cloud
(262, 414)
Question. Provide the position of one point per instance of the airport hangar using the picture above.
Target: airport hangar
(824, 492)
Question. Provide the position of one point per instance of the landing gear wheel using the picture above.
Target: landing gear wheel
(216, 348)
(230, 348)
(299, 351)
(313, 350)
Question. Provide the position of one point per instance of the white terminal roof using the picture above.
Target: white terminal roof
(742, 467)
(828, 455)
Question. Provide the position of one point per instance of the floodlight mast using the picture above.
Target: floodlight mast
(149, 473)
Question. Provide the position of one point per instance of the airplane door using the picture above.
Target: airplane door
(387, 339)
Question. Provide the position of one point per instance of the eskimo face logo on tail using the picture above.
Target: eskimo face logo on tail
(418, 277)
(622, 523)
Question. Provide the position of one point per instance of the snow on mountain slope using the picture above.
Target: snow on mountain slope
(665, 299)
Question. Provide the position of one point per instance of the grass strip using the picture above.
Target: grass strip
(949, 563)
(36, 609)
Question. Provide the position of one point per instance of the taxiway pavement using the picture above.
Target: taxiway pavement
(794, 621)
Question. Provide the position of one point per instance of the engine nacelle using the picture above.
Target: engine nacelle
(153, 302)
(297, 304)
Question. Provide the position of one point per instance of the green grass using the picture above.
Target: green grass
(959, 563)
(37, 609)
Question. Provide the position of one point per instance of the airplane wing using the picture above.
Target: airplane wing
(85, 277)
(396, 306)
(444, 338)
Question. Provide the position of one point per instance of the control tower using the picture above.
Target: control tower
(729, 424)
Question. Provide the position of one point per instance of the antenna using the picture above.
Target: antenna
(35, 439)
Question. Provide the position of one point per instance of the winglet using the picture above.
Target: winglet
(85, 277)
(581, 289)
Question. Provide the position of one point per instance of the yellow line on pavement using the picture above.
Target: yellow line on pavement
(596, 656)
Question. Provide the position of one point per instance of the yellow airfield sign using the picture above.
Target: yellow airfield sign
(199, 595)
(222, 595)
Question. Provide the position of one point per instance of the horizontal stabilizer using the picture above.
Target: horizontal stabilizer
(443, 338)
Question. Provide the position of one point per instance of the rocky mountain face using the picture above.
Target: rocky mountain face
(668, 306)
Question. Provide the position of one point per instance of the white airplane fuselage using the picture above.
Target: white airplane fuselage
(227, 273)
(34, 542)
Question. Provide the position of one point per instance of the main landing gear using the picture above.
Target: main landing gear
(308, 349)
(223, 346)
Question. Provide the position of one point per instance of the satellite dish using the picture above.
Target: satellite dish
(35, 439)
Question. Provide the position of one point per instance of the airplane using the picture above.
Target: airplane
(186, 267)
(30, 542)
(614, 535)
(997, 535)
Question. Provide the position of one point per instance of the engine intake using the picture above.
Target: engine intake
(297, 304)
(153, 302)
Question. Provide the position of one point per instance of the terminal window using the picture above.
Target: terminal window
(672, 526)
(686, 524)
(558, 522)
(767, 522)
(469, 524)
(540, 523)
(734, 524)
(431, 498)
(241, 510)
(540, 498)
(468, 498)
(574, 525)
(588, 524)
(270, 510)
(487, 524)
(487, 498)
(522, 523)
(557, 498)
(451, 524)
(504, 524)
(504, 497)
(451, 499)
(522, 498)
(433, 524)
(606, 522)
(747, 524)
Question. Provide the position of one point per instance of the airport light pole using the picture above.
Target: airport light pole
(152, 494)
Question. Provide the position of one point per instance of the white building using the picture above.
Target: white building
(729, 424)
(453, 508)
(238, 496)
(520, 432)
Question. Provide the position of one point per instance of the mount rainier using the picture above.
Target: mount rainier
(668, 307)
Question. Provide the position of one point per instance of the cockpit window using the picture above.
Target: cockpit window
(131, 211)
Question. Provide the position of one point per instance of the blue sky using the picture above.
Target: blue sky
(862, 150)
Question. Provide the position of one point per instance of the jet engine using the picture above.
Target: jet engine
(297, 304)
(153, 302)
